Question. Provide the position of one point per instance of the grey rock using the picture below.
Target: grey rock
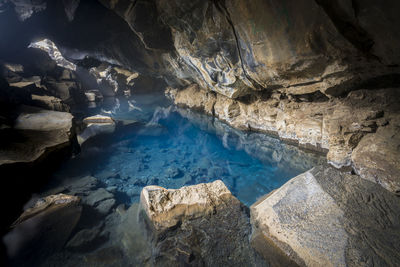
(325, 217)
(43, 229)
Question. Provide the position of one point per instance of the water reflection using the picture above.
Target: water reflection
(172, 147)
(155, 144)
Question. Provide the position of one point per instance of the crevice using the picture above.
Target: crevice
(222, 8)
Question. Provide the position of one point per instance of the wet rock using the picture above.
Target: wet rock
(66, 90)
(188, 224)
(44, 228)
(101, 200)
(318, 218)
(25, 82)
(96, 125)
(82, 186)
(87, 239)
(173, 172)
(105, 206)
(336, 126)
(90, 96)
(43, 120)
(97, 196)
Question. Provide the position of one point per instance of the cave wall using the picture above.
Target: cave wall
(301, 47)
(229, 47)
(280, 66)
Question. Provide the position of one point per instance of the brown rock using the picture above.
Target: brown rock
(377, 157)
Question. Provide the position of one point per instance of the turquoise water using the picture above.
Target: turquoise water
(174, 147)
(155, 143)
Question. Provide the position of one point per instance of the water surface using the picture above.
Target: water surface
(173, 147)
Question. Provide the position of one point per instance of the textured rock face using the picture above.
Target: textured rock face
(336, 125)
(190, 223)
(236, 47)
(51, 49)
(318, 219)
(376, 158)
(42, 131)
(166, 208)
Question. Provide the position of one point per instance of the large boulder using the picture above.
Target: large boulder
(43, 229)
(328, 218)
(166, 208)
(189, 224)
(42, 132)
(95, 125)
(377, 156)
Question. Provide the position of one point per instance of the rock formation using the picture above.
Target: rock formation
(322, 74)
(43, 228)
(197, 225)
(325, 217)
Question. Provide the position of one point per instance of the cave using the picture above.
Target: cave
(200, 133)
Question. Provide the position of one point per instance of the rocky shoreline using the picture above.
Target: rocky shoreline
(336, 126)
(323, 75)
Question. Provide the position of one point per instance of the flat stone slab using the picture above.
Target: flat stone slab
(328, 218)
(35, 133)
(96, 125)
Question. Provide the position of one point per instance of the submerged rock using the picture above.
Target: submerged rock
(327, 218)
(87, 239)
(202, 224)
(101, 200)
(335, 126)
(43, 229)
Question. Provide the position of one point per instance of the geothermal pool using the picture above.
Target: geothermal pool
(155, 143)
(172, 147)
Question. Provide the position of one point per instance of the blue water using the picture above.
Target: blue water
(174, 147)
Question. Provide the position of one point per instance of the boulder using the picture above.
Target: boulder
(43, 120)
(167, 207)
(42, 132)
(377, 157)
(101, 200)
(87, 239)
(96, 125)
(43, 229)
(319, 219)
(187, 226)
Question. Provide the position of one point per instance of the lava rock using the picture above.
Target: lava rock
(319, 218)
